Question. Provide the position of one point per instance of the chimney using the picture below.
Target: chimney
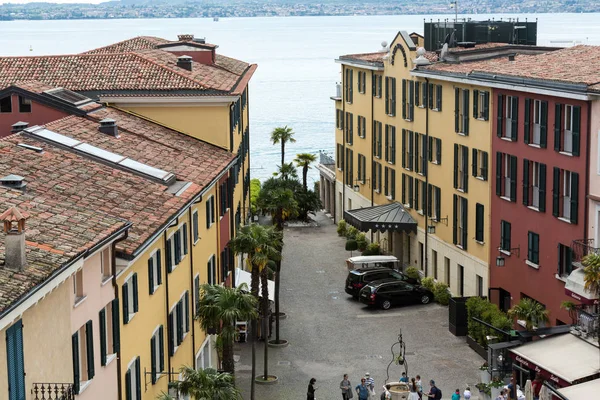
(13, 182)
(200, 40)
(185, 38)
(511, 57)
(184, 62)
(109, 126)
(14, 229)
(19, 126)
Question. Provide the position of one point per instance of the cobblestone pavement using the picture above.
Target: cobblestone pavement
(331, 334)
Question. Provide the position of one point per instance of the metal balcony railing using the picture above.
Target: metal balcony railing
(587, 322)
(583, 247)
(53, 391)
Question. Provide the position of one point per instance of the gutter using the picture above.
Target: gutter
(169, 338)
(372, 137)
(426, 158)
(190, 235)
(587, 171)
(116, 288)
(345, 164)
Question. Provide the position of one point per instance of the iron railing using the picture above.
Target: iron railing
(587, 322)
(53, 391)
(583, 247)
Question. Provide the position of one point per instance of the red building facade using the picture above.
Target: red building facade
(21, 108)
(539, 150)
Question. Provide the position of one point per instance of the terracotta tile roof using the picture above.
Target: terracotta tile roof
(431, 56)
(56, 232)
(133, 44)
(368, 57)
(231, 64)
(32, 86)
(479, 47)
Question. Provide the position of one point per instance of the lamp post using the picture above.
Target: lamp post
(455, 5)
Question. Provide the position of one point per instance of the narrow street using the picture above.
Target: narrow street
(331, 334)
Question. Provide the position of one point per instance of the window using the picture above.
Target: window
(196, 293)
(225, 196)
(407, 190)
(481, 105)
(461, 167)
(339, 119)
(157, 354)
(461, 279)
(212, 270)
(460, 222)
(565, 260)
(505, 236)
(130, 298)
(508, 113)
(362, 168)
(434, 261)
(195, 227)
(565, 195)
(506, 176)
(420, 147)
(154, 271)
(533, 248)
(417, 187)
(362, 82)
(16, 364)
(390, 143)
(362, 127)
(390, 183)
(177, 247)
(447, 270)
(377, 176)
(109, 332)
(78, 287)
(567, 128)
(422, 206)
(480, 164)
(133, 381)
(536, 122)
(408, 96)
(377, 85)
(349, 167)
(461, 111)
(435, 97)
(435, 150)
(434, 202)
(210, 211)
(407, 149)
(24, 105)
(377, 138)
(6, 104)
(417, 94)
(349, 128)
(390, 96)
(479, 285)
(479, 222)
(105, 264)
(340, 157)
(83, 355)
(179, 323)
(534, 185)
(204, 356)
(348, 85)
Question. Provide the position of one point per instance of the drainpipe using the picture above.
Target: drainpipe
(190, 235)
(426, 158)
(372, 137)
(167, 304)
(345, 164)
(116, 289)
(587, 172)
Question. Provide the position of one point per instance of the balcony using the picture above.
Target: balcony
(52, 391)
(586, 323)
(338, 92)
(581, 248)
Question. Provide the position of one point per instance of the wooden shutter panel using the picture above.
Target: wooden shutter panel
(89, 347)
(116, 331)
(179, 319)
(557, 126)
(195, 225)
(430, 95)
(403, 189)
(387, 142)
(417, 93)
(429, 200)
(439, 150)
(438, 204)
(135, 293)
(513, 178)
(171, 333)
(150, 276)
(465, 216)
(479, 222)
(125, 291)
(128, 394)
(75, 354)
(185, 239)
(385, 186)
(555, 191)
(465, 115)
(430, 148)
(542, 187)
(393, 105)
(515, 119)
(424, 94)
(15, 361)
(177, 241)
(168, 256)
(574, 196)
(410, 149)
(475, 104)
(403, 148)
(103, 350)
(527, 120)
(484, 168)
(196, 293)
(161, 348)
(410, 191)
(153, 359)
(456, 109)
(187, 310)
(138, 380)
(207, 215)
(439, 98)
(425, 155)
(403, 99)
(498, 173)
(387, 95)
(411, 110)
(393, 135)
(474, 162)
(486, 106)
(374, 139)
(465, 168)
(499, 117)
(525, 181)
(544, 125)
(158, 276)
(576, 129)
(454, 220)
(455, 165)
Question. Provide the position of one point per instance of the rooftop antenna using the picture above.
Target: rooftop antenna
(455, 5)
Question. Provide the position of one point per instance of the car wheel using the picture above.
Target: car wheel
(425, 299)
(386, 304)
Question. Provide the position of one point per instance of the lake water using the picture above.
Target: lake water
(296, 73)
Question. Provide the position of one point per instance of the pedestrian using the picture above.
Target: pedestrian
(512, 389)
(404, 378)
(434, 392)
(467, 393)
(412, 387)
(536, 386)
(502, 395)
(456, 395)
(361, 390)
(419, 387)
(370, 385)
(386, 395)
(346, 387)
(310, 394)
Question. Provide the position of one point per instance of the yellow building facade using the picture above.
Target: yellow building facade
(403, 137)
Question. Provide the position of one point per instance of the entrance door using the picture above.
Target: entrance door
(14, 358)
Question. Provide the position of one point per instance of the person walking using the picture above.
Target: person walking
(404, 378)
(467, 393)
(434, 392)
(456, 395)
(310, 394)
(362, 391)
(419, 386)
(370, 386)
(386, 392)
(502, 395)
(412, 387)
(346, 387)
(536, 386)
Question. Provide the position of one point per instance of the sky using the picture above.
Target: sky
(51, 1)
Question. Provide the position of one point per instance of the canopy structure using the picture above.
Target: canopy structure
(575, 288)
(562, 359)
(582, 391)
(246, 277)
(387, 217)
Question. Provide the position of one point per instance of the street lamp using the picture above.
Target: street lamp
(431, 228)
(455, 5)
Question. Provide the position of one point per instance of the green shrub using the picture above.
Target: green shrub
(361, 240)
(351, 245)
(482, 309)
(254, 191)
(428, 283)
(351, 232)
(342, 227)
(372, 249)
(441, 293)
(412, 272)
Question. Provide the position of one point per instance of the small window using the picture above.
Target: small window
(24, 105)
(212, 270)
(108, 332)
(6, 105)
(154, 271)
(195, 227)
(83, 355)
(130, 298)
(435, 150)
(133, 381)
(479, 282)
(505, 229)
(78, 287)
(157, 354)
(565, 260)
(105, 264)
(210, 211)
(533, 248)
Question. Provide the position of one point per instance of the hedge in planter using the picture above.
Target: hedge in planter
(484, 310)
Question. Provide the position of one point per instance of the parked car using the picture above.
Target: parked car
(358, 278)
(390, 292)
(359, 262)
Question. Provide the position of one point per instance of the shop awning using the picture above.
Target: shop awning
(575, 287)
(246, 277)
(387, 217)
(562, 359)
(582, 391)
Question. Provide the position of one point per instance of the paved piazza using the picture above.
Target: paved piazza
(331, 334)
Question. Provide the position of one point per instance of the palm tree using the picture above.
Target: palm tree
(303, 160)
(221, 307)
(530, 311)
(207, 384)
(287, 172)
(282, 135)
(591, 276)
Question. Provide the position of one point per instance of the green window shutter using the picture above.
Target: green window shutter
(177, 240)
(185, 239)
(530, 246)
(430, 149)
(125, 290)
(150, 276)
(403, 194)
(555, 191)
(424, 147)
(153, 359)
(387, 95)
(410, 191)
(393, 134)
(411, 110)
(168, 256)
(75, 353)
(403, 148)
(207, 218)
(179, 318)
(385, 179)
(438, 204)
(465, 216)
(557, 126)
(454, 220)
(410, 149)
(387, 142)
(475, 104)
(393, 177)
(135, 292)
(393, 106)
(373, 84)
(116, 323)
(508, 236)
(128, 394)
(576, 129)
(527, 120)
(187, 311)
(479, 217)
(484, 168)
(439, 98)
(161, 347)
(500, 116)
(574, 196)
(374, 138)
(544, 125)
(439, 150)
(416, 158)
(430, 95)
(195, 225)
(456, 110)
(515, 119)
(89, 346)
(525, 182)
(465, 161)
(158, 276)
(171, 333)
(138, 380)
(542, 187)
(424, 94)
(417, 93)
(486, 106)
(103, 350)
(424, 197)
(429, 200)
(416, 195)
(498, 173)
(474, 162)
(455, 166)
(513, 178)
(404, 99)
(197, 293)
(465, 116)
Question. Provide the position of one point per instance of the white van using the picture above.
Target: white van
(372, 261)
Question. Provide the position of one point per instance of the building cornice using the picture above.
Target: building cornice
(360, 64)
(167, 101)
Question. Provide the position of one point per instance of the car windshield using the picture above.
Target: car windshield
(397, 275)
(352, 277)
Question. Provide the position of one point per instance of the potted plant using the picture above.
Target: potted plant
(484, 374)
(399, 360)
(495, 387)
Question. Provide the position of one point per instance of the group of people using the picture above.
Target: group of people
(366, 389)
